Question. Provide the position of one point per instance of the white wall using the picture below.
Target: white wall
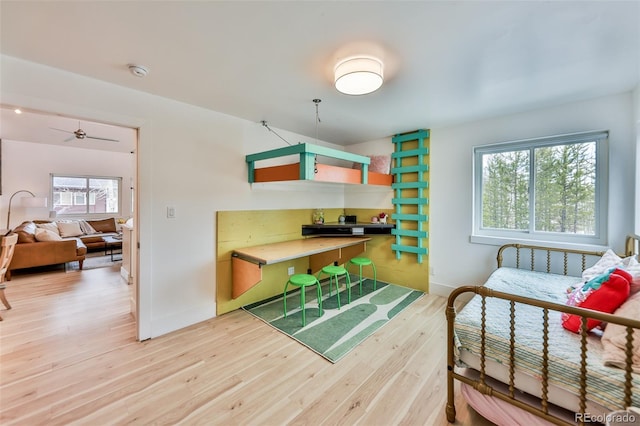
(27, 165)
(193, 159)
(454, 259)
(636, 97)
(189, 158)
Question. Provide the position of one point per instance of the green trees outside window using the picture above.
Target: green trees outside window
(551, 185)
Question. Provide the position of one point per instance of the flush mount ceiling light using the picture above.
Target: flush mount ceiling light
(359, 75)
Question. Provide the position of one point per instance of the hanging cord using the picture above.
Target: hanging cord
(315, 163)
(264, 124)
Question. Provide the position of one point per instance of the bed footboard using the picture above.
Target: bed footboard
(481, 384)
(514, 302)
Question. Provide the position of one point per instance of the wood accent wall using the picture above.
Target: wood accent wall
(236, 229)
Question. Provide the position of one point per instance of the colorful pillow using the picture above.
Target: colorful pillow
(604, 293)
(46, 235)
(378, 164)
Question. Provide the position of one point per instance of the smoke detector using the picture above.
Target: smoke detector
(138, 70)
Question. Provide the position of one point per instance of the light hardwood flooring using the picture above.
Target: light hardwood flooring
(68, 355)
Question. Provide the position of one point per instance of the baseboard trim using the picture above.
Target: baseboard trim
(439, 289)
(177, 321)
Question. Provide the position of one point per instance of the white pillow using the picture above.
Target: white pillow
(69, 229)
(631, 265)
(46, 235)
(606, 262)
(51, 226)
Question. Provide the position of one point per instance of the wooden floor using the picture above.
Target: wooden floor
(68, 355)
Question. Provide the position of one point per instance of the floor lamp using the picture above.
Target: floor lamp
(34, 202)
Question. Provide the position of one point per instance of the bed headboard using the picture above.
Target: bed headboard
(557, 260)
(547, 259)
(632, 245)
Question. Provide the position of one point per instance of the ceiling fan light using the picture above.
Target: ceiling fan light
(359, 75)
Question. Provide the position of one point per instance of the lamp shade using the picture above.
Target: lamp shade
(359, 75)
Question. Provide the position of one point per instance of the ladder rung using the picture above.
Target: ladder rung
(410, 169)
(409, 249)
(409, 201)
(414, 217)
(409, 185)
(410, 153)
(409, 233)
(418, 134)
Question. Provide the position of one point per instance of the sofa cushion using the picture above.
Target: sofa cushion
(90, 239)
(104, 225)
(51, 226)
(26, 232)
(47, 235)
(69, 229)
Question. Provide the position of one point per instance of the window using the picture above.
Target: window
(543, 189)
(85, 195)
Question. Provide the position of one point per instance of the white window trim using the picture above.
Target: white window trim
(88, 214)
(584, 242)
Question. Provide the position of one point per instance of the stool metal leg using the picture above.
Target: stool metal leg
(302, 305)
(319, 295)
(284, 298)
(375, 279)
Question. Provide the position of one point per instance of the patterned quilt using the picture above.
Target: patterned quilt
(604, 384)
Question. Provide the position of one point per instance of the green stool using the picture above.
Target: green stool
(336, 272)
(303, 281)
(364, 261)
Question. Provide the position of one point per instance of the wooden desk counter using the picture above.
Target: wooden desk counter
(322, 251)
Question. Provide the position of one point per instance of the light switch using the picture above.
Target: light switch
(171, 212)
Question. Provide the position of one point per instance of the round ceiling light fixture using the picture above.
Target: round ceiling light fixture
(359, 75)
(138, 70)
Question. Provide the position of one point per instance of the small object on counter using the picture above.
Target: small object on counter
(383, 217)
(341, 219)
(374, 219)
(318, 217)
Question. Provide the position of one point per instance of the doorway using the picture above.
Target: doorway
(38, 144)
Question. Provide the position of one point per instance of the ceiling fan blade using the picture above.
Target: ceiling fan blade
(101, 139)
(70, 139)
(60, 130)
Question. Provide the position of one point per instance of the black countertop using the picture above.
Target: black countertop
(335, 228)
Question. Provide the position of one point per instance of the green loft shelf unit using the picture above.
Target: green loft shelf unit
(309, 169)
(411, 188)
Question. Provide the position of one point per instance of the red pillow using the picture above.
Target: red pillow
(611, 294)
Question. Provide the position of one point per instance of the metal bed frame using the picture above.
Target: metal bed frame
(632, 245)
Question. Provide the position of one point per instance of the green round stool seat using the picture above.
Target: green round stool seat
(303, 281)
(364, 261)
(336, 272)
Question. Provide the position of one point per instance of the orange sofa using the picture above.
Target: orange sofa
(30, 252)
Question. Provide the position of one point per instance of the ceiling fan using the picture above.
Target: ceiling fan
(81, 134)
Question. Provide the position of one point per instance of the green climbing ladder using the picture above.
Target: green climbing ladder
(411, 186)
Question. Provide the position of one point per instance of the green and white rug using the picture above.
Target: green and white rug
(337, 331)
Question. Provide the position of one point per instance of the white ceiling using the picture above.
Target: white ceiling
(446, 62)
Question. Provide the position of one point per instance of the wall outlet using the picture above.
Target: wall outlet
(171, 212)
(291, 270)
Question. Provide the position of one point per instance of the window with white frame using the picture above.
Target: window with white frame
(552, 189)
(85, 195)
